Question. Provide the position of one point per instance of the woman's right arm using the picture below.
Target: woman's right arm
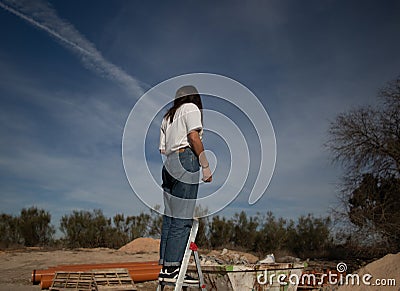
(198, 149)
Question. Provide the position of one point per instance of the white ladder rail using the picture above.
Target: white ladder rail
(190, 247)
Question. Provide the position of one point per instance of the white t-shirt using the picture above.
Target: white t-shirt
(173, 136)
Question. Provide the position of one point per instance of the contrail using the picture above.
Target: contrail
(45, 17)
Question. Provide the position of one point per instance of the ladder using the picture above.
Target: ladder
(191, 248)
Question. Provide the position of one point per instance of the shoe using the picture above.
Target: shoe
(172, 276)
(168, 276)
(161, 275)
(190, 280)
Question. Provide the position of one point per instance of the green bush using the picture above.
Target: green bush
(262, 234)
(31, 228)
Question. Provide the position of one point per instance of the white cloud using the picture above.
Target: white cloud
(62, 150)
(41, 15)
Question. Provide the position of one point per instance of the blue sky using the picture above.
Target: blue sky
(71, 72)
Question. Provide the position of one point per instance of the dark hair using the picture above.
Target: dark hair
(185, 94)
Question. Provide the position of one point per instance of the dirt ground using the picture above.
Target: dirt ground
(16, 266)
(382, 274)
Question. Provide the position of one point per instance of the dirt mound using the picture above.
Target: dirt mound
(383, 269)
(229, 257)
(142, 245)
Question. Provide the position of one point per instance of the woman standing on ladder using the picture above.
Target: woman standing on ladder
(181, 141)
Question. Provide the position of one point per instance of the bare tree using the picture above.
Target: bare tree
(366, 142)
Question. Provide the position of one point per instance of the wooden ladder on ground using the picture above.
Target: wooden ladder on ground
(95, 280)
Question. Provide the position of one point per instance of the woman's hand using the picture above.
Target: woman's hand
(207, 175)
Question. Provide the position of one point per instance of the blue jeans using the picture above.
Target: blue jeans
(180, 176)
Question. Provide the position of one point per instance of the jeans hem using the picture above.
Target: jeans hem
(172, 264)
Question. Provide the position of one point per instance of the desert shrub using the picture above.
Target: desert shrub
(35, 227)
(9, 231)
(86, 229)
(31, 228)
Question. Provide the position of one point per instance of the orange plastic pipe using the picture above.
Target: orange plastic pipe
(136, 270)
(133, 271)
(37, 274)
(136, 275)
(66, 269)
(115, 264)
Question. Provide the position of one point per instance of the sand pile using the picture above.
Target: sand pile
(228, 257)
(142, 245)
(385, 268)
